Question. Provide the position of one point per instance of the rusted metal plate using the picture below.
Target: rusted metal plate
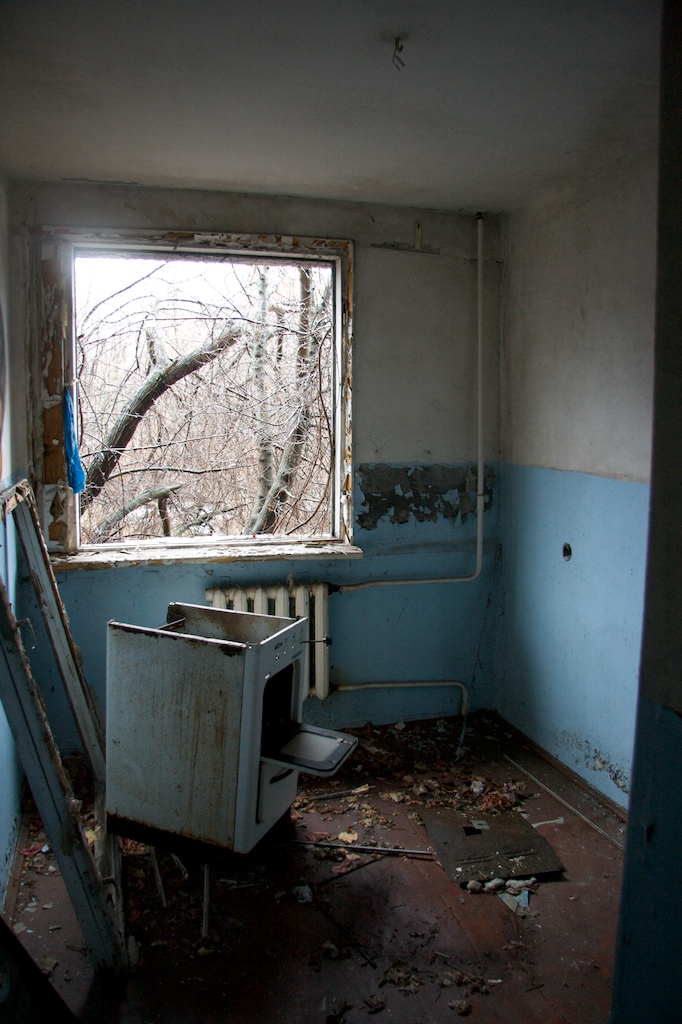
(235, 627)
(174, 708)
(488, 846)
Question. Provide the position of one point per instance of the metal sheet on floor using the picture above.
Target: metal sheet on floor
(488, 845)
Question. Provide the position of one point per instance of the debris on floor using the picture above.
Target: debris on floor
(348, 908)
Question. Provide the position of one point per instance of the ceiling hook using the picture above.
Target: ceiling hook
(398, 62)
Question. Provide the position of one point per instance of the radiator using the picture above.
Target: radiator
(310, 600)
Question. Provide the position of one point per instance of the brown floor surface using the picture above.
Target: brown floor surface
(394, 937)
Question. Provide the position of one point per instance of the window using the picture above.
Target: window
(210, 384)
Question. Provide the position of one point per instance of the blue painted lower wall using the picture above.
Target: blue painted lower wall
(569, 632)
(552, 645)
(382, 634)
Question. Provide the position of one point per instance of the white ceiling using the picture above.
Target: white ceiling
(498, 99)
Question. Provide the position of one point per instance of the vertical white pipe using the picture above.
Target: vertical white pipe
(480, 464)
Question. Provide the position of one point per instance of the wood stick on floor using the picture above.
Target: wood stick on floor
(157, 876)
(204, 917)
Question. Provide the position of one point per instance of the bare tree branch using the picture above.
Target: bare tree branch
(119, 292)
(264, 519)
(127, 423)
(159, 494)
(265, 450)
(274, 492)
(162, 503)
(205, 518)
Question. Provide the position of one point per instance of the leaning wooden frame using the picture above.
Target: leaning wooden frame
(92, 876)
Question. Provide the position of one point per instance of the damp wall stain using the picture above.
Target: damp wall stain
(421, 492)
(594, 759)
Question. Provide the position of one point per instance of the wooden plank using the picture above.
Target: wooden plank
(85, 709)
(54, 798)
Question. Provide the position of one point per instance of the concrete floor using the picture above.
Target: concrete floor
(384, 935)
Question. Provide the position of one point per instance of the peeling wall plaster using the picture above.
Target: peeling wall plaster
(420, 492)
(595, 760)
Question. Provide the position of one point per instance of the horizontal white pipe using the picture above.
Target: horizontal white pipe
(419, 683)
(431, 579)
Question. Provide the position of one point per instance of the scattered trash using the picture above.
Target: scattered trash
(461, 1006)
(513, 902)
(338, 1014)
(472, 983)
(19, 927)
(302, 894)
(350, 836)
(517, 885)
(553, 821)
(133, 950)
(375, 1004)
(395, 796)
(403, 977)
(91, 834)
(409, 766)
(399, 726)
(33, 849)
(498, 801)
(350, 862)
(47, 964)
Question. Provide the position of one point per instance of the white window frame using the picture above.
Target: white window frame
(52, 341)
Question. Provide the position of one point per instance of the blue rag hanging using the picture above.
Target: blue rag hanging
(74, 466)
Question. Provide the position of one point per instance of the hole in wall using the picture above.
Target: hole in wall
(568, 552)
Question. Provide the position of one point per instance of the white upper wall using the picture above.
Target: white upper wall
(416, 357)
(414, 325)
(577, 369)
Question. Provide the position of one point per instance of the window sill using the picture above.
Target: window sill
(111, 557)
